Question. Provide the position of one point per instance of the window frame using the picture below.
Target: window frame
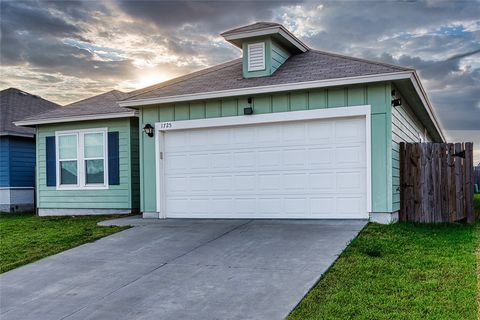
(81, 160)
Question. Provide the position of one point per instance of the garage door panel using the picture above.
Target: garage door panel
(308, 169)
(321, 132)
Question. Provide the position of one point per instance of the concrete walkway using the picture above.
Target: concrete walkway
(180, 269)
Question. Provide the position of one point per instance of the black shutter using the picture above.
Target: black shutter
(113, 159)
(51, 161)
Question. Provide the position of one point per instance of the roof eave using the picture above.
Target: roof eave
(426, 102)
(28, 123)
(299, 45)
(267, 89)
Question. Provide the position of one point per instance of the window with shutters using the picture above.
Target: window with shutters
(256, 56)
(82, 159)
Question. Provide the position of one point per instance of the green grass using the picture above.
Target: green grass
(400, 271)
(25, 237)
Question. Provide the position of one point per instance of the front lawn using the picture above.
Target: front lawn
(25, 237)
(400, 271)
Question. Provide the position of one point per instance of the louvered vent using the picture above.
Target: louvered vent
(256, 56)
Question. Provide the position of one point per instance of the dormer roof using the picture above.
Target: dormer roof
(278, 32)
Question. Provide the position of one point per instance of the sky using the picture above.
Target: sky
(65, 51)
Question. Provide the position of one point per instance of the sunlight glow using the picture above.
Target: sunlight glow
(149, 79)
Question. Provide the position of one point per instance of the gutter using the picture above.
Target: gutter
(77, 118)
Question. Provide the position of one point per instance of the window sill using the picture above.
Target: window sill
(102, 187)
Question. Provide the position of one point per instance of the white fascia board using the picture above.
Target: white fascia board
(13, 134)
(268, 89)
(268, 31)
(426, 102)
(77, 118)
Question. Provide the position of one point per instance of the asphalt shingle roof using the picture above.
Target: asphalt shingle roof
(105, 103)
(308, 66)
(15, 105)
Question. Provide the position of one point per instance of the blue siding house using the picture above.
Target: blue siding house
(17, 149)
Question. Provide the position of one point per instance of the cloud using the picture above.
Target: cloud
(67, 50)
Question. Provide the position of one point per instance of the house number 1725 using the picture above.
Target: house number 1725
(165, 125)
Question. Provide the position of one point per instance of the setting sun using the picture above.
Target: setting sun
(149, 79)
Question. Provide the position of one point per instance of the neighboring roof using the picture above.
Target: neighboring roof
(308, 66)
(272, 29)
(102, 106)
(16, 104)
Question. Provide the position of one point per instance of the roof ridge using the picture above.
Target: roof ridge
(267, 24)
(361, 59)
(184, 77)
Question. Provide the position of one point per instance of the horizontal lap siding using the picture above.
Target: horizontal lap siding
(22, 162)
(17, 162)
(279, 56)
(4, 162)
(405, 128)
(376, 95)
(115, 197)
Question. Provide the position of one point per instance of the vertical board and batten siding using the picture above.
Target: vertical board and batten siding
(17, 157)
(115, 197)
(405, 128)
(377, 95)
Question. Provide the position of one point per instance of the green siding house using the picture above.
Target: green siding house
(87, 158)
(285, 131)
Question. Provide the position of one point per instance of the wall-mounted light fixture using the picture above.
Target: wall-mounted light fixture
(149, 130)
(396, 102)
(248, 110)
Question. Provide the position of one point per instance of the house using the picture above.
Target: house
(285, 131)
(17, 149)
(87, 156)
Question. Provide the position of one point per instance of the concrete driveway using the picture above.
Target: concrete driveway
(180, 269)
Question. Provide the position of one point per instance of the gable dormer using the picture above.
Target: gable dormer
(265, 47)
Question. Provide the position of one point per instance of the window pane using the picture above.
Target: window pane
(68, 172)
(67, 146)
(93, 145)
(94, 171)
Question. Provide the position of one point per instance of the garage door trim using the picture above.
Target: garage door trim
(342, 112)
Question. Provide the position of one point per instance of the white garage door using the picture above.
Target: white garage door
(305, 169)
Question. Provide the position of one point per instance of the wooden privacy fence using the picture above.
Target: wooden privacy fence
(436, 182)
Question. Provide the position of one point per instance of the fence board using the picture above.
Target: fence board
(458, 183)
(469, 182)
(436, 182)
(451, 183)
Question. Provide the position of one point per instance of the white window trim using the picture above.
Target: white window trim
(81, 169)
(263, 66)
(342, 112)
